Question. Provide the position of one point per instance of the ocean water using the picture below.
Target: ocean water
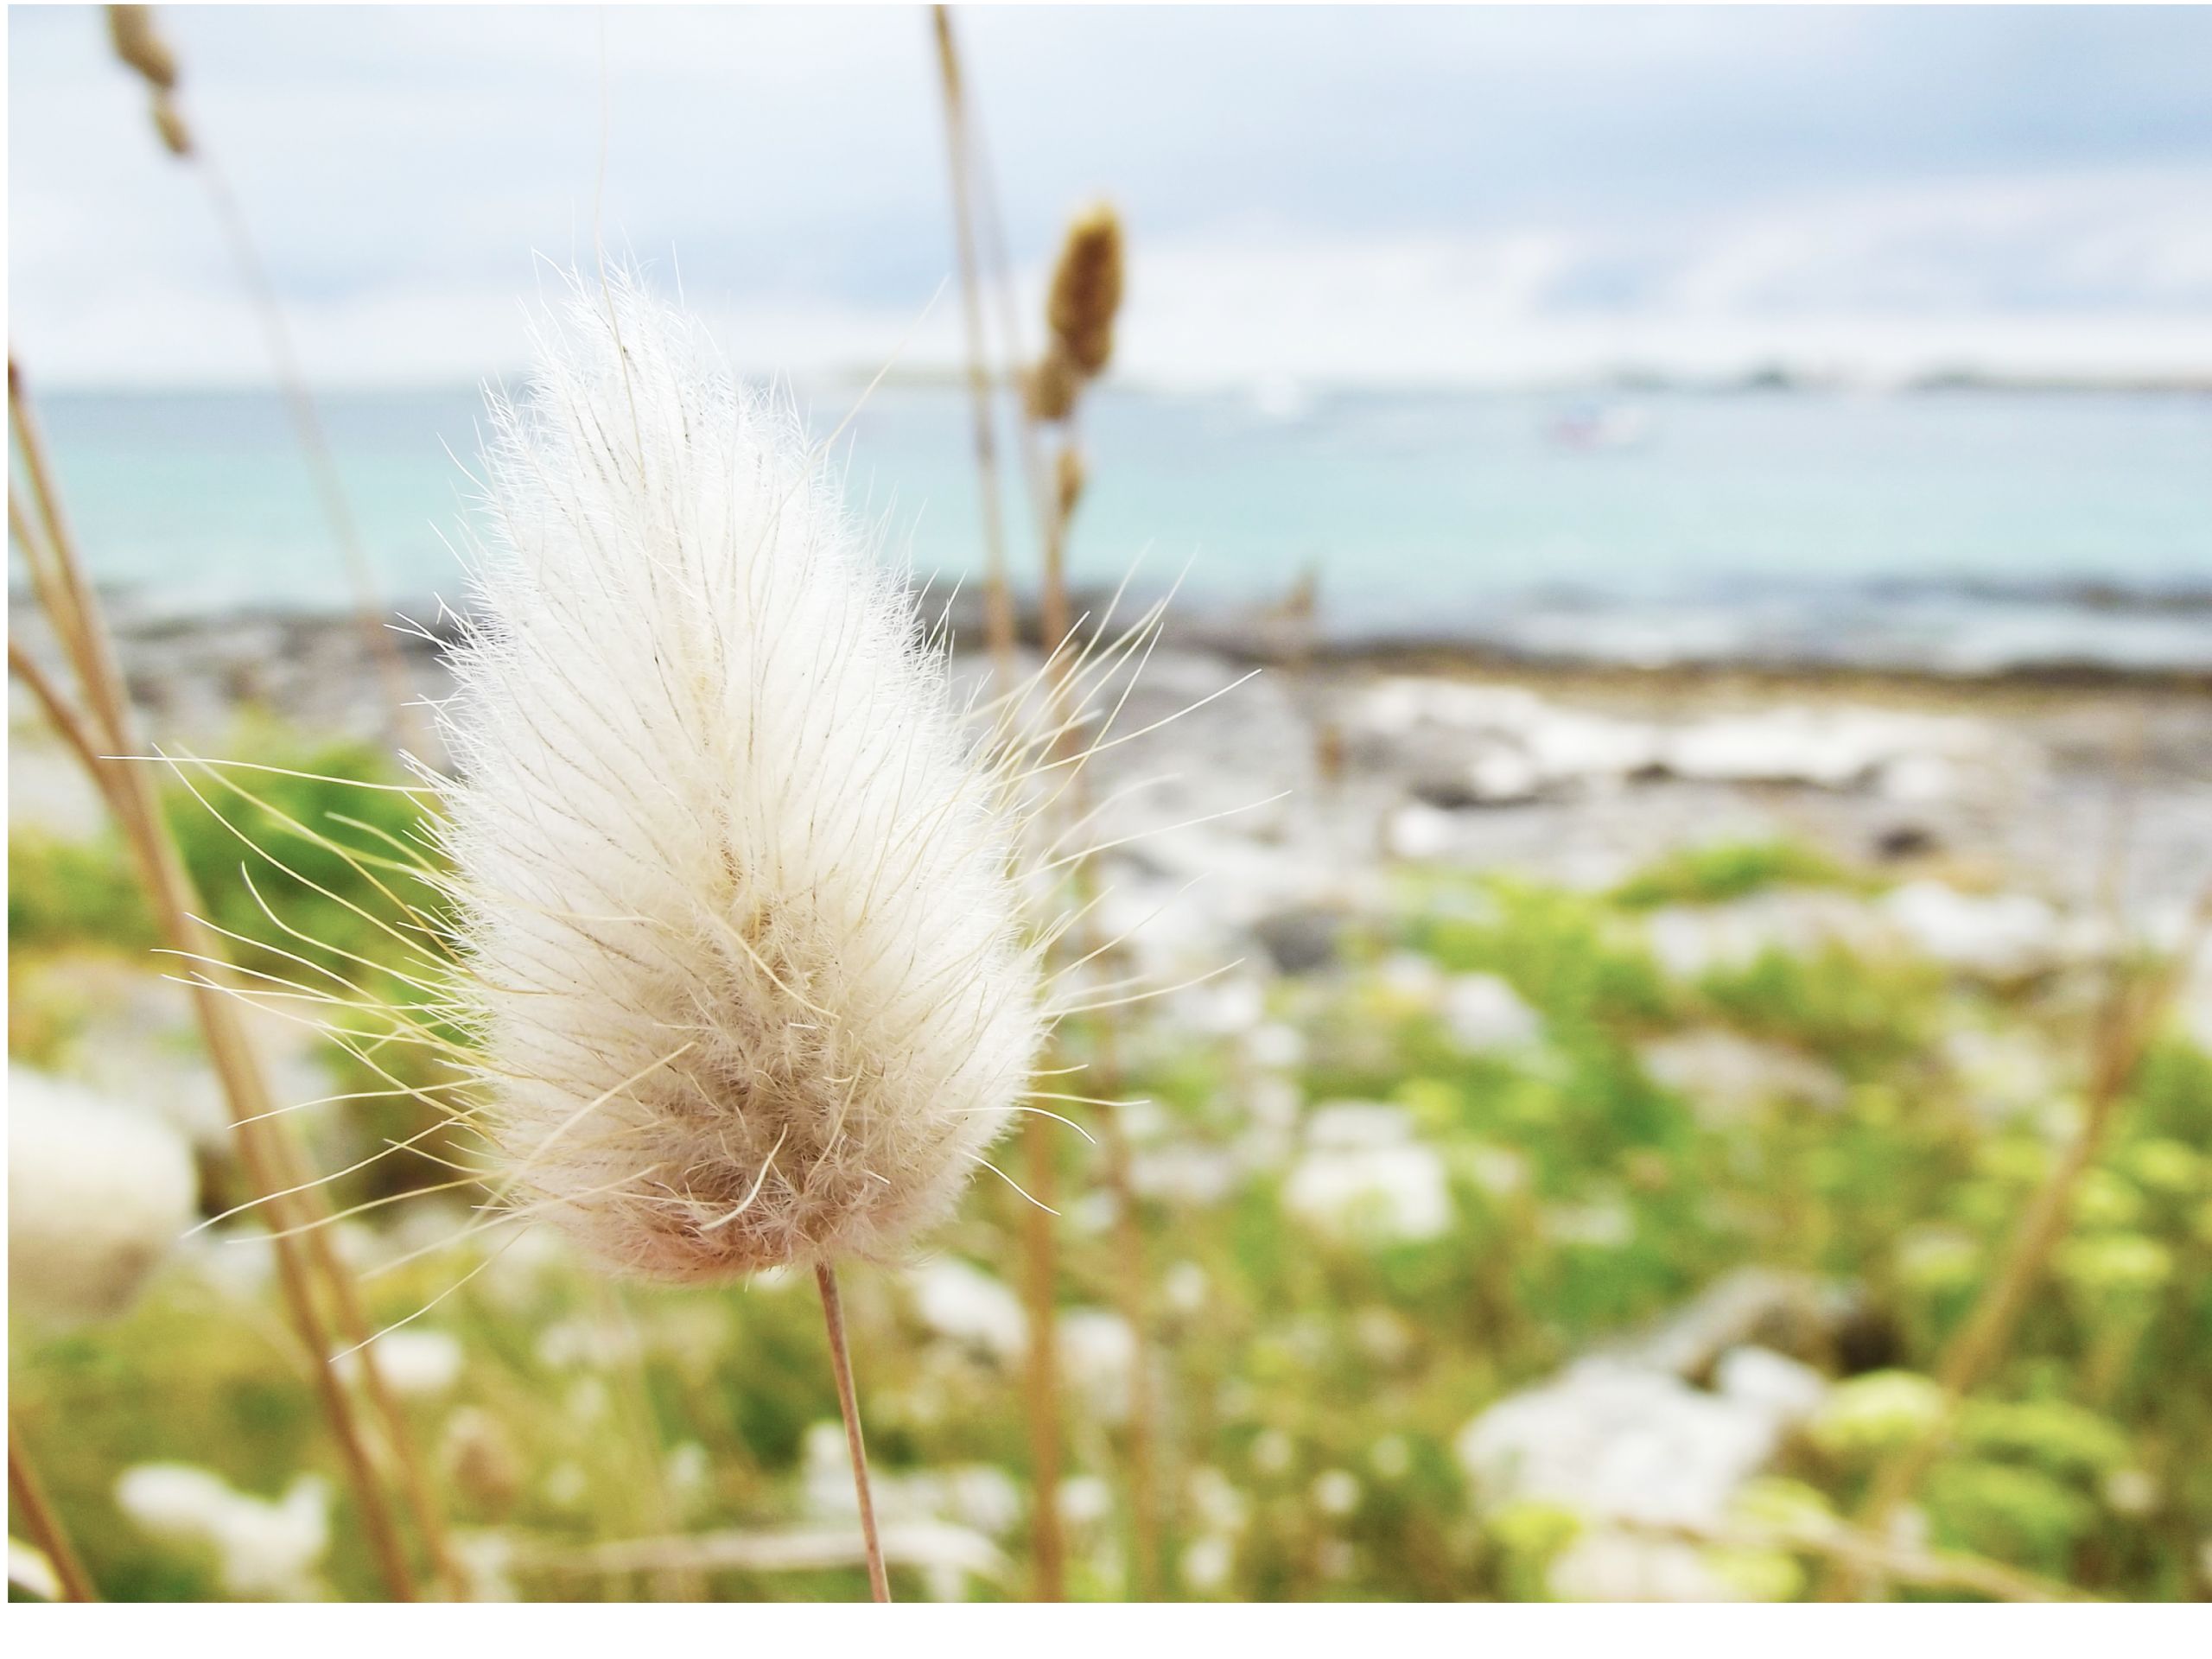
(1963, 530)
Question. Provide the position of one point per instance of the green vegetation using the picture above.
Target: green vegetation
(1714, 875)
(1317, 1377)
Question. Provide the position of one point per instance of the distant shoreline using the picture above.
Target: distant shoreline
(1272, 640)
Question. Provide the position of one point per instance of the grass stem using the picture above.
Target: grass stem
(105, 728)
(41, 1521)
(1039, 1246)
(841, 1363)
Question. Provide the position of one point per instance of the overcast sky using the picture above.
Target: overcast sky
(1385, 196)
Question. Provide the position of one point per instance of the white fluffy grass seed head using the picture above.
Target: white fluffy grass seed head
(741, 944)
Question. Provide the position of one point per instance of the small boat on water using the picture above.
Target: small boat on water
(1601, 426)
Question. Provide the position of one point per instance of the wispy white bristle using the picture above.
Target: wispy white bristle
(742, 937)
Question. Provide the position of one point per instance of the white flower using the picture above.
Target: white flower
(968, 1305)
(1365, 1176)
(262, 1550)
(1185, 1286)
(418, 1364)
(1098, 1352)
(1085, 1500)
(739, 918)
(97, 1194)
(29, 1570)
(1208, 1562)
(1336, 1492)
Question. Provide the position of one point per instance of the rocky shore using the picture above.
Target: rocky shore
(1325, 766)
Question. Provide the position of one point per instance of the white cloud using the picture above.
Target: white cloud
(1345, 214)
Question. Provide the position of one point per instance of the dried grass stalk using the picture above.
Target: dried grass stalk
(41, 1522)
(103, 728)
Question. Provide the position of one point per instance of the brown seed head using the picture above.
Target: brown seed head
(1070, 479)
(1087, 289)
(131, 29)
(176, 137)
(1052, 386)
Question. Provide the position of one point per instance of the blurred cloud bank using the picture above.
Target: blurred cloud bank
(1354, 197)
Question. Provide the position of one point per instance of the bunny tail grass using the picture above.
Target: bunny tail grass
(740, 933)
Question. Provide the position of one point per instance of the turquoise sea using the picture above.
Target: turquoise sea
(1966, 530)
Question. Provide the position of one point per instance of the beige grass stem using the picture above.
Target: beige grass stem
(1057, 487)
(140, 47)
(1054, 485)
(41, 1522)
(104, 728)
(841, 1363)
(1039, 1246)
(998, 595)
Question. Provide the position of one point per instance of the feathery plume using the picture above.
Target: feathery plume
(737, 909)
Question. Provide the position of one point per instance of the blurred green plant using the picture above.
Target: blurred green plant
(1716, 873)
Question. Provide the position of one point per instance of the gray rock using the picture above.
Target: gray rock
(1301, 941)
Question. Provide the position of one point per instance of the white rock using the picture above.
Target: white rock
(2003, 935)
(1418, 832)
(1499, 776)
(97, 1194)
(1569, 746)
(1831, 748)
(263, 1551)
